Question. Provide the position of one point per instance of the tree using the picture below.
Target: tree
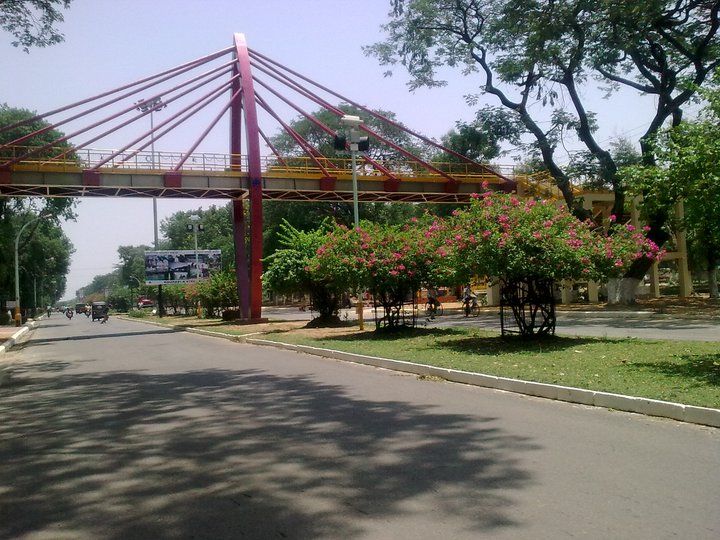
(288, 270)
(530, 245)
(44, 249)
(688, 169)
(390, 261)
(32, 22)
(544, 52)
(217, 232)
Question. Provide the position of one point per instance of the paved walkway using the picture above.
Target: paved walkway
(612, 324)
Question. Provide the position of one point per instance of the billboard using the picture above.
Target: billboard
(179, 266)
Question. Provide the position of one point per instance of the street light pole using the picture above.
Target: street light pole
(152, 106)
(196, 226)
(353, 122)
(18, 317)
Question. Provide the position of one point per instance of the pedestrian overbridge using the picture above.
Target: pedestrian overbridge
(250, 91)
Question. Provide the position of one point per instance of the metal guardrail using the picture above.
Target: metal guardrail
(71, 160)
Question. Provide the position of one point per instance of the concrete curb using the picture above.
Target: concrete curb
(650, 407)
(10, 342)
(236, 338)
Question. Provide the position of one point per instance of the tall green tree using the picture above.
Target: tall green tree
(535, 59)
(44, 249)
(32, 22)
(217, 232)
(688, 169)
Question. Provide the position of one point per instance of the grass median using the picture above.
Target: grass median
(679, 371)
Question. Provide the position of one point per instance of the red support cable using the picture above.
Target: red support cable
(272, 147)
(317, 99)
(309, 150)
(64, 138)
(131, 120)
(378, 116)
(210, 97)
(193, 63)
(207, 130)
(20, 140)
(388, 143)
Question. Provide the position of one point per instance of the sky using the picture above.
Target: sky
(112, 42)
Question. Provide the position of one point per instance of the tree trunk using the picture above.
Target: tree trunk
(627, 290)
(712, 274)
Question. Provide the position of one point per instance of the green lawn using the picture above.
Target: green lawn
(679, 371)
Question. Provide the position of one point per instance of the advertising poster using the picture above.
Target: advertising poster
(180, 266)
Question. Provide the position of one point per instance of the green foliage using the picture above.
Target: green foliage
(535, 58)
(688, 169)
(502, 236)
(43, 248)
(137, 314)
(215, 294)
(498, 235)
(391, 261)
(32, 22)
(288, 269)
(217, 234)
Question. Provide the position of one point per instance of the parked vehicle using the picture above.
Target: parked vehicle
(99, 310)
(145, 302)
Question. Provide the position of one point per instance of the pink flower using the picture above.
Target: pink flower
(393, 273)
(537, 235)
(401, 267)
(646, 228)
(414, 219)
(630, 227)
(474, 196)
(618, 263)
(456, 212)
(547, 223)
(612, 218)
(487, 234)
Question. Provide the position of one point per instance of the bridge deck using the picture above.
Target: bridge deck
(101, 173)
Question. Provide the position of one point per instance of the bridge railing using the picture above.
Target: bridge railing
(73, 160)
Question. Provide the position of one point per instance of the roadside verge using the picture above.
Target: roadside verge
(650, 407)
(8, 344)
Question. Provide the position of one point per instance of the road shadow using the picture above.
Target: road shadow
(703, 368)
(232, 454)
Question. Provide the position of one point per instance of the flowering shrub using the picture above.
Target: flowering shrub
(530, 244)
(502, 235)
(392, 261)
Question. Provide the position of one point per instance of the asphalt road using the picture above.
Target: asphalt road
(126, 430)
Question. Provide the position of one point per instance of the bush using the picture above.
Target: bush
(137, 314)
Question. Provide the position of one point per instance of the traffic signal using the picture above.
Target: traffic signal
(340, 142)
